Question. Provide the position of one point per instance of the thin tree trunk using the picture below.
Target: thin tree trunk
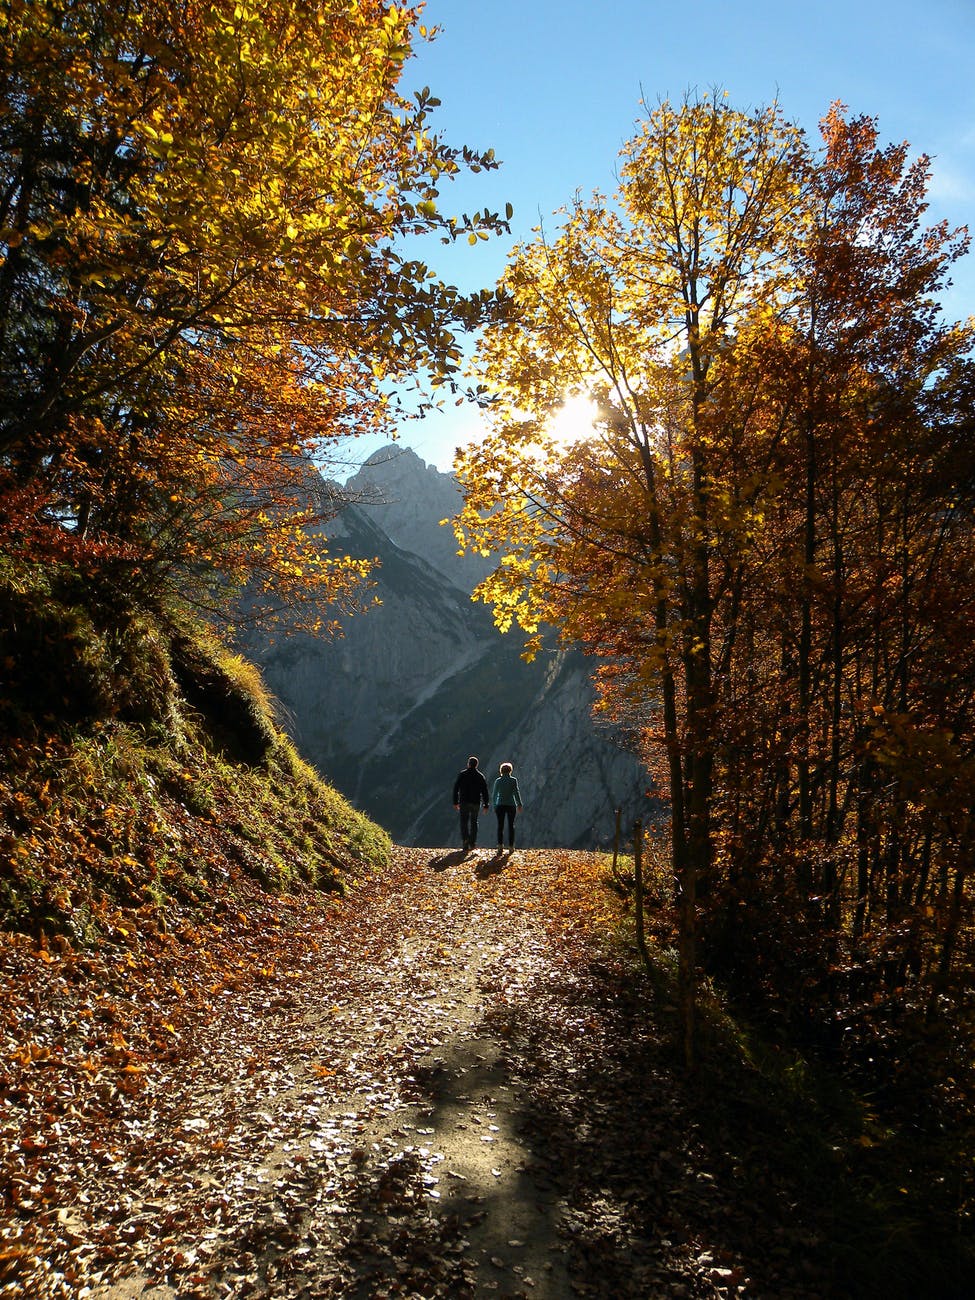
(616, 847)
(950, 942)
(830, 878)
(804, 869)
(641, 931)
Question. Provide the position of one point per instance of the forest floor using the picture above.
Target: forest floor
(455, 1082)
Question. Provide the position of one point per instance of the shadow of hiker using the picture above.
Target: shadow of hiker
(445, 860)
(490, 866)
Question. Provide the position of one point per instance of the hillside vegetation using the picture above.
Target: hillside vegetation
(145, 771)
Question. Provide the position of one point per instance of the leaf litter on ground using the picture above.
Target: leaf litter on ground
(453, 1082)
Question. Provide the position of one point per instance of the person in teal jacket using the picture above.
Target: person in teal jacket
(506, 800)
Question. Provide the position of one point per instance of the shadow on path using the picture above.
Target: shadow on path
(491, 866)
(466, 1204)
(441, 861)
(483, 867)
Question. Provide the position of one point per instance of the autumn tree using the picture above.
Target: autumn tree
(205, 210)
(875, 387)
(635, 304)
(747, 316)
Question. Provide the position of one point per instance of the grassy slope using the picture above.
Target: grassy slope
(143, 770)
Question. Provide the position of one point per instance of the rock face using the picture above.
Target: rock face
(390, 711)
(408, 499)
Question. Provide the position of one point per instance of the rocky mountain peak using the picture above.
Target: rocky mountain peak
(408, 499)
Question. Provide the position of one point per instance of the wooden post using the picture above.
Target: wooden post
(616, 847)
(641, 935)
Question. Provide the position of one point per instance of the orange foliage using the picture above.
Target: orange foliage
(202, 282)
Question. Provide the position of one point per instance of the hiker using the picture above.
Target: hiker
(506, 798)
(470, 795)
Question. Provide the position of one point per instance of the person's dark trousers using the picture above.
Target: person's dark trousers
(468, 824)
(503, 811)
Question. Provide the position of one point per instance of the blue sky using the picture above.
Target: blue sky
(555, 90)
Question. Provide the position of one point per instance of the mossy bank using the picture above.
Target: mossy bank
(143, 768)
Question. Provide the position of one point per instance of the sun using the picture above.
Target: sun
(574, 421)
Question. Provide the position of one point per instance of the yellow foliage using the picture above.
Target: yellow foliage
(231, 278)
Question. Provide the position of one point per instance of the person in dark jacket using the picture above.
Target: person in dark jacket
(506, 798)
(470, 796)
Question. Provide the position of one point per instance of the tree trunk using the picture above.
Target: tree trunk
(641, 931)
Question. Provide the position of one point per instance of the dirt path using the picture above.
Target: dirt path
(373, 1144)
(453, 1093)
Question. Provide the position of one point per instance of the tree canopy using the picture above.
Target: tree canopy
(205, 209)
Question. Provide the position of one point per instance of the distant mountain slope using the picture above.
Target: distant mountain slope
(390, 711)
